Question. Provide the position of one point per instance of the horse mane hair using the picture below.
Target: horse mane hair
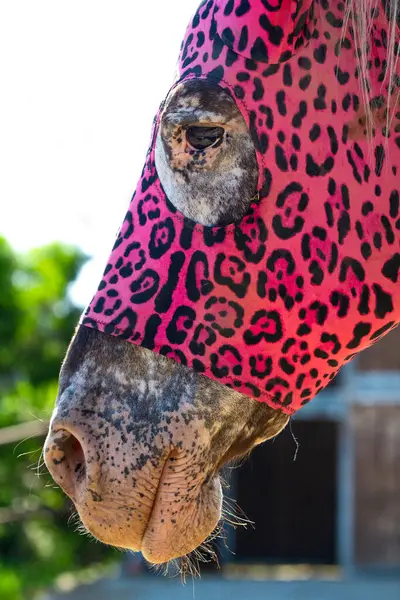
(358, 19)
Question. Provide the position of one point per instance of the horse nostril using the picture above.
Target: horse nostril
(75, 456)
(65, 459)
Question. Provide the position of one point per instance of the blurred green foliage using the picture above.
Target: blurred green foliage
(37, 320)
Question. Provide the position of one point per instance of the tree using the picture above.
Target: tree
(37, 320)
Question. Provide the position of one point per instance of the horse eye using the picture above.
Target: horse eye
(201, 138)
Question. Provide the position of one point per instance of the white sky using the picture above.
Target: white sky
(80, 82)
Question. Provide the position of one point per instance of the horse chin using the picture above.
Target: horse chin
(176, 529)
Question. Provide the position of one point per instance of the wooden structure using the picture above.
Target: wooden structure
(338, 503)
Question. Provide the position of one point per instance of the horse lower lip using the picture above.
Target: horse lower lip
(175, 530)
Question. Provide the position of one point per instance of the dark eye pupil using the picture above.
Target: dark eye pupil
(204, 137)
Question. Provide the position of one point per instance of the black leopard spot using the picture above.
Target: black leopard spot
(224, 316)
(164, 299)
(136, 254)
(280, 256)
(150, 332)
(227, 362)
(124, 323)
(294, 197)
(250, 237)
(261, 366)
(266, 325)
(231, 271)
(197, 278)
(174, 353)
(390, 269)
(360, 331)
(161, 238)
(203, 336)
(382, 330)
(214, 236)
(181, 322)
(383, 302)
(144, 287)
(148, 209)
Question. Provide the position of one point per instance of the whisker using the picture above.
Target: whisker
(29, 452)
(35, 417)
(30, 437)
(295, 441)
(41, 462)
(232, 504)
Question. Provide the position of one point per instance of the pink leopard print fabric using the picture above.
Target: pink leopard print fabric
(275, 304)
(268, 32)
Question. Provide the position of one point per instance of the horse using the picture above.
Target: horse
(259, 254)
